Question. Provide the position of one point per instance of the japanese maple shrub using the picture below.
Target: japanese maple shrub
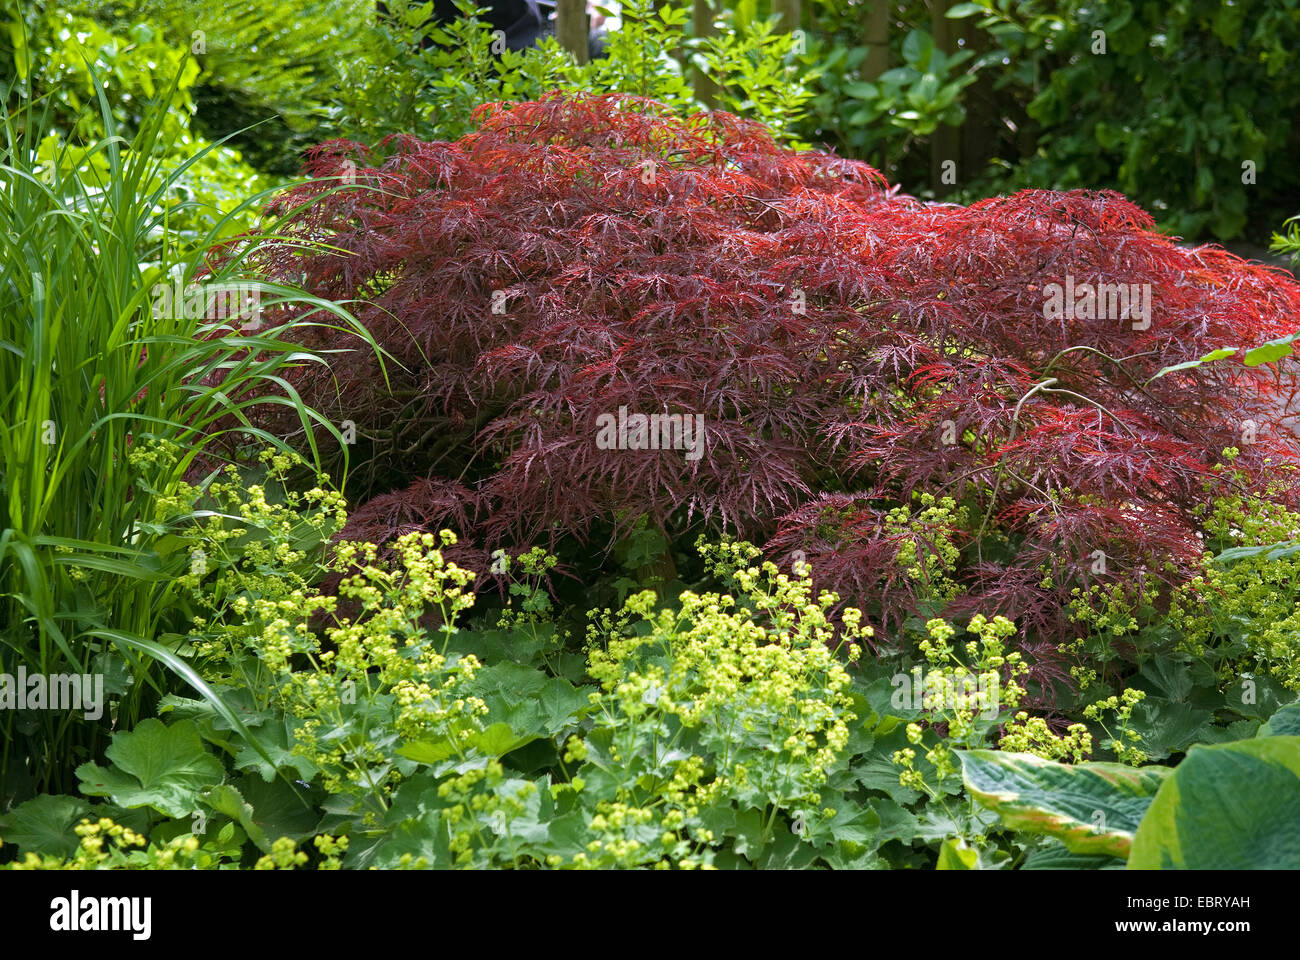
(933, 407)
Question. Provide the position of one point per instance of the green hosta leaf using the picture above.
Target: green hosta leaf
(1090, 807)
(1284, 723)
(1055, 856)
(44, 825)
(1231, 806)
(156, 766)
(1274, 551)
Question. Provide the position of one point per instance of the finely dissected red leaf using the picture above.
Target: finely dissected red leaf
(845, 345)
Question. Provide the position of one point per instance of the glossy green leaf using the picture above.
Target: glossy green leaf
(1273, 551)
(1055, 856)
(1189, 364)
(1268, 352)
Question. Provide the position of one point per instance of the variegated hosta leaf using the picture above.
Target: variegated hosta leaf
(1284, 723)
(1230, 806)
(1090, 807)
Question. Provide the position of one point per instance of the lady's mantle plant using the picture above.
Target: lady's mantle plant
(719, 712)
(711, 731)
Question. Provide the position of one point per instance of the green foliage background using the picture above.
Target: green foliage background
(117, 118)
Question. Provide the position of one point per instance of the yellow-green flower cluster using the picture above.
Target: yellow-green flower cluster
(331, 849)
(263, 555)
(988, 670)
(1124, 742)
(1254, 597)
(1026, 734)
(718, 701)
(384, 656)
(926, 550)
(284, 855)
(1111, 609)
(108, 845)
(526, 587)
(335, 676)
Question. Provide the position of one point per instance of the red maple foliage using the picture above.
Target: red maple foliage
(846, 346)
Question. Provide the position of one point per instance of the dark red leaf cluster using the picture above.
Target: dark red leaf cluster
(844, 345)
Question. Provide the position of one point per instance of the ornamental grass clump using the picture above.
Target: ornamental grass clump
(98, 362)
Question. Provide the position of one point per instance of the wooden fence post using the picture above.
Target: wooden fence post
(789, 10)
(706, 90)
(571, 27)
(945, 142)
(875, 36)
